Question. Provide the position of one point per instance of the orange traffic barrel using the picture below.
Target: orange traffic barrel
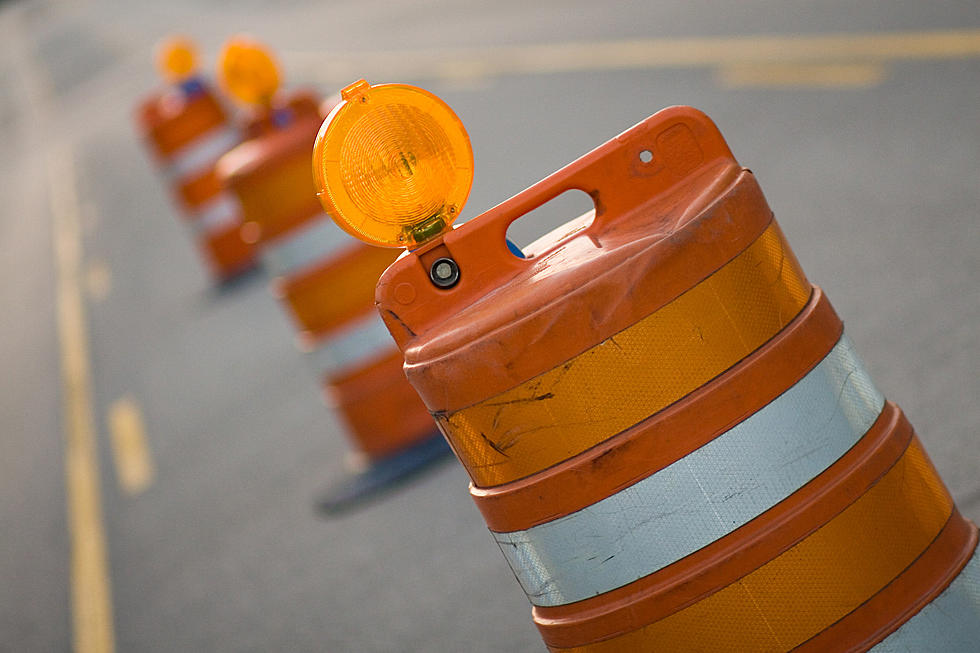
(187, 130)
(325, 281)
(668, 432)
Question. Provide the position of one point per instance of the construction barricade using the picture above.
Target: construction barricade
(325, 280)
(187, 129)
(668, 432)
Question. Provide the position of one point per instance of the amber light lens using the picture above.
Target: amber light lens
(392, 164)
(247, 71)
(176, 58)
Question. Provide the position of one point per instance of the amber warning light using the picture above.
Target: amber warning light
(176, 58)
(248, 71)
(392, 164)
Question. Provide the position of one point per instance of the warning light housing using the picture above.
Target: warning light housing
(176, 58)
(247, 71)
(392, 164)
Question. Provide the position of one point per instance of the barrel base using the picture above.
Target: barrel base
(383, 474)
(231, 283)
(240, 275)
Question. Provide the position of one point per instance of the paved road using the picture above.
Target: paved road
(873, 176)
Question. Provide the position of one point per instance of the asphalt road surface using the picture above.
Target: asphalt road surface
(866, 143)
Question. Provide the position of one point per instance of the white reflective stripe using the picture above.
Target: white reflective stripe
(218, 214)
(318, 239)
(950, 623)
(705, 495)
(200, 154)
(359, 342)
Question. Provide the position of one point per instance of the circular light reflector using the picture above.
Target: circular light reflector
(176, 58)
(392, 164)
(248, 71)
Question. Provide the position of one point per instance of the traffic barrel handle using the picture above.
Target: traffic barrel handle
(676, 145)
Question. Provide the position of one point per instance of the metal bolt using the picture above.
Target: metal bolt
(444, 272)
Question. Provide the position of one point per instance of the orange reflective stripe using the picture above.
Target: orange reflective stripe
(632, 375)
(924, 580)
(816, 582)
(337, 291)
(227, 252)
(273, 180)
(196, 191)
(383, 412)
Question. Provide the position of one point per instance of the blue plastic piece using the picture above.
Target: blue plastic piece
(192, 87)
(282, 117)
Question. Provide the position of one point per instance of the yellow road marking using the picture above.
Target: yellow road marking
(467, 63)
(91, 593)
(98, 279)
(802, 75)
(91, 596)
(134, 465)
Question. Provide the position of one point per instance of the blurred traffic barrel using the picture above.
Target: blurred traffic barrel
(325, 280)
(187, 129)
(668, 433)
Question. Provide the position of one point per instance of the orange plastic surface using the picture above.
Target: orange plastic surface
(661, 227)
(635, 373)
(382, 411)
